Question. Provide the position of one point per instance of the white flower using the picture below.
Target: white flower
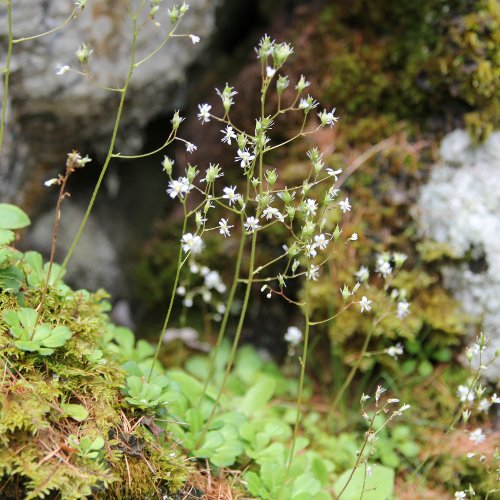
(321, 241)
(213, 172)
(271, 212)
(227, 96)
(365, 304)
(181, 290)
(245, 158)
(403, 309)
(459, 495)
(224, 227)
(334, 173)
(403, 408)
(310, 206)
(332, 193)
(477, 436)
(395, 350)
(310, 250)
(464, 393)
(483, 405)
(470, 455)
(302, 84)
(495, 399)
(362, 274)
(204, 114)
(252, 224)
(62, 69)
(293, 335)
(379, 392)
(179, 187)
(51, 182)
(190, 147)
(230, 195)
(313, 272)
(192, 243)
(229, 134)
(328, 118)
(270, 72)
(353, 237)
(194, 38)
(345, 206)
(213, 279)
(383, 266)
(308, 104)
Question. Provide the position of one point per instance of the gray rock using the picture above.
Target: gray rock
(95, 263)
(460, 205)
(49, 115)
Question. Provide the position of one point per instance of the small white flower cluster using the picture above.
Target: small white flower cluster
(293, 335)
(211, 281)
(395, 350)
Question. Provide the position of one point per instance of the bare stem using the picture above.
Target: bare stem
(6, 72)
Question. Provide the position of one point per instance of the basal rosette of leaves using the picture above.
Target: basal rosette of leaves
(66, 427)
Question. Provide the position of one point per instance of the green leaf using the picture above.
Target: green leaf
(378, 486)
(58, 337)
(304, 486)
(76, 412)
(212, 441)
(97, 444)
(255, 485)
(27, 345)
(257, 396)
(273, 475)
(425, 368)
(442, 355)
(28, 318)
(408, 366)
(190, 387)
(12, 217)
(401, 433)
(409, 449)
(42, 332)
(6, 236)
(390, 458)
(320, 471)
(10, 279)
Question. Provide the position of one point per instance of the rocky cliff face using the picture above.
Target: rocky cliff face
(50, 114)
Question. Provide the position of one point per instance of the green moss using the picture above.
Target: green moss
(40, 435)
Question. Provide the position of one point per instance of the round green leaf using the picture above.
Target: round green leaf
(12, 217)
(76, 412)
(425, 368)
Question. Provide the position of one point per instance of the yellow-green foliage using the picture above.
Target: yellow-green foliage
(76, 391)
(424, 61)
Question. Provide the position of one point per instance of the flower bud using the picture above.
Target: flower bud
(167, 165)
(83, 53)
(271, 177)
(282, 83)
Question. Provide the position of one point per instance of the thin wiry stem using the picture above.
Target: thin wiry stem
(6, 72)
(170, 304)
(72, 16)
(109, 155)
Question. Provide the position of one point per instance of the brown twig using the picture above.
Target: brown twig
(73, 162)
